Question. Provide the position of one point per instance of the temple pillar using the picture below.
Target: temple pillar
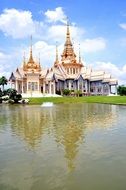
(109, 92)
(86, 86)
(78, 85)
(69, 70)
(27, 87)
(102, 89)
(38, 86)
(116, 89)
(82, 87)
(43, 87)
(49, 87)
(89, 87)
(22, 87)
(54, 87)
(16, 85)
(69, 85)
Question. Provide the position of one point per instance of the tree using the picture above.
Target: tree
(78, 93)
(3, 81)
(122, 90)
(66, 92)
(13, 95)
(1, 93)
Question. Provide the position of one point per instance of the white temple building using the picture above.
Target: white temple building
(66, 73)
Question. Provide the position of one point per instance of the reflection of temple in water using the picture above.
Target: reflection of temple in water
(66, 125)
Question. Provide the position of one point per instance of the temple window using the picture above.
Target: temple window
(73, 70)
(99, 89)
(33, 86)
(106, 88)
(83, 84)
(72, 84)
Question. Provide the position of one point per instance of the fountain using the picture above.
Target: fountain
(47, 104)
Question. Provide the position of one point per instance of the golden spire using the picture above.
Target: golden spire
(79, 55)
(24, 61)
(68, 52)
(24, 57)
(68, 41)
(31, 57)
(57, 59)
(39, 62)
(39, 58)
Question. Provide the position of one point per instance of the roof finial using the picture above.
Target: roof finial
(39, 62)
(24, 61)
(39, 57)
(57, 59)
(57, 52)
(68, 31)
(31, 57)
(31, 44)
(79, 55)
(24, 57)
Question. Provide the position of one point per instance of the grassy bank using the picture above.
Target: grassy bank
(86, 99)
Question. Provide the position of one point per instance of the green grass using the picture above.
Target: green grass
(86, 99)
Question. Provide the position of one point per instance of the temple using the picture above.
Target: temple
(66, 73)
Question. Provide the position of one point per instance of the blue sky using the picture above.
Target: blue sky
(99, 27)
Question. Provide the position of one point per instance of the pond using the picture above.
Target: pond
(63, 147)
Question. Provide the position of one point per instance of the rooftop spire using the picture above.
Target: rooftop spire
(68, 52)
(68, 31)
(68, 41)
(31, 57)
(57, 59)
(57, 53)
(79, 55)
(39, 58)
(24, 57)
(39, 62)
(24, 61)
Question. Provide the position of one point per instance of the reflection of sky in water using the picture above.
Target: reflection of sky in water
(50, 143)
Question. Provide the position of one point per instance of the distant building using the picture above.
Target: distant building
(67, 73)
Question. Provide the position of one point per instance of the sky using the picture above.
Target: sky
(98, 26)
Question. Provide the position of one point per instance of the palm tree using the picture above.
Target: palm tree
(3, 81)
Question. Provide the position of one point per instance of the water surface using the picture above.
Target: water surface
(64, 147)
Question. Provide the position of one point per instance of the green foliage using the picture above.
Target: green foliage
(58, 92)
(13, 95)
(1, 93)
(11, 92)
(0, 100)
(121, 90)
(3, 81)
(66, 92)
(78, 93)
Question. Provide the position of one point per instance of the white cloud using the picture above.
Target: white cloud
(47, 53)
(5, 64)
(56, 15)
(58, 33)
(114, 70)
(93, 45)
(123, 26)
(18, 23)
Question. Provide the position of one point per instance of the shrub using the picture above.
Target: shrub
(121, 90)
(66, 92)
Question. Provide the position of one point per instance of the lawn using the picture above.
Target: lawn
(85, 99)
